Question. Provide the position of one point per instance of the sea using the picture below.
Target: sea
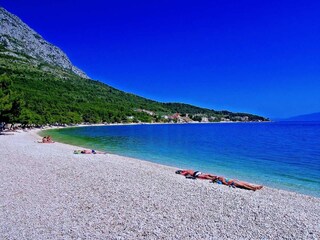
(282, 155)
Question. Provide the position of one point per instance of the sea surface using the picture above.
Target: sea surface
(283, 155)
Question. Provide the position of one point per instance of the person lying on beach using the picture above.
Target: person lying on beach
(196, 174)
(218, 179)
(47, 139)
(237, 183)
(87, 152)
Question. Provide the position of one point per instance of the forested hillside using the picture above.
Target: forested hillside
(40, 85)
(51, 94)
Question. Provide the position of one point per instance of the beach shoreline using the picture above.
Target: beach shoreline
(145, 123)
(250, 162)
(49, 192)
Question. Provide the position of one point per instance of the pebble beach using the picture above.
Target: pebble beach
(47, 192)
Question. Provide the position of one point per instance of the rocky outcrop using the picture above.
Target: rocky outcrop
(16, 36)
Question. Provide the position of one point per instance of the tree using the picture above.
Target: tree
(196, 118)
(5, 92)
(10, 102)
(28, 117)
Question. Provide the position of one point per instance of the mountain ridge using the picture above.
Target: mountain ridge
(17, 36)
(311, 117)
(54, 93)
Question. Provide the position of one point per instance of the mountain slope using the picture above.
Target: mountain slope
(313, 117)
(16, 36)
(54, 92)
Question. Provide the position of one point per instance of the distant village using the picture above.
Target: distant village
(195, 118)
(174, 118)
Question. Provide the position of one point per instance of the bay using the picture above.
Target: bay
(284, 155)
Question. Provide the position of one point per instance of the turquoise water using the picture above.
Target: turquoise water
(283, 155)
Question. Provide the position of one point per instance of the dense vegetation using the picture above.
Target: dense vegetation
(34, 92)
(10, 102)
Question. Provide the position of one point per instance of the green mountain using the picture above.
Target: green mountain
(52, 90)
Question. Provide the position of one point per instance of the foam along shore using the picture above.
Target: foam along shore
(47, 192)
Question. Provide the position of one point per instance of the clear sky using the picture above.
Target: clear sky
(261, 57)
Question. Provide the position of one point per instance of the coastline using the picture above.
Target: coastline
(146, 123)
(47, 191)
(250, 162)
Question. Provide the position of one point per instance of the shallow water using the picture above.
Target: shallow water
(283, 155)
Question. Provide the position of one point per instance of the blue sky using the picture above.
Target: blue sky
(261, 57)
